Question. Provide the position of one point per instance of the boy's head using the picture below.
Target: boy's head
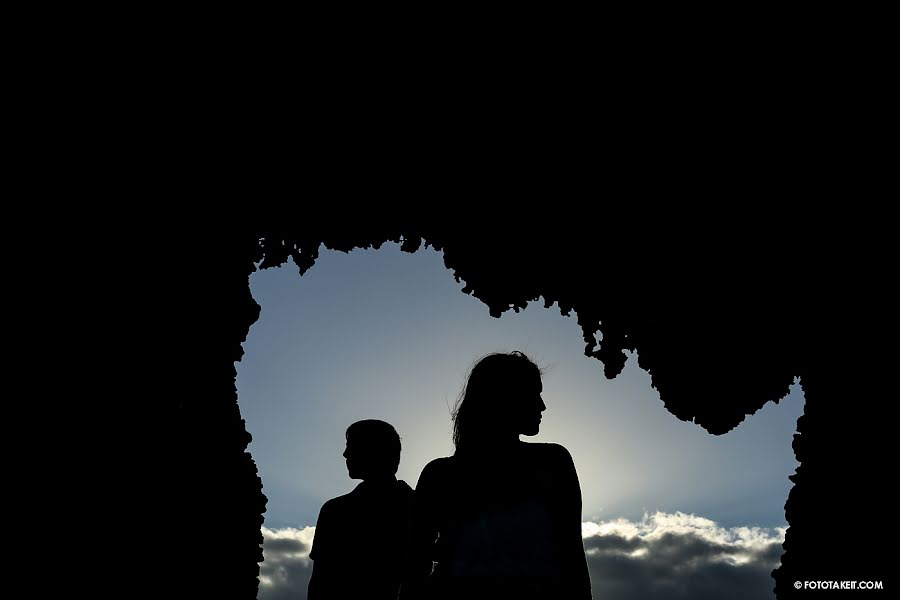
(373, 449)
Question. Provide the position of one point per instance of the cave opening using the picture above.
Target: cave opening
(639, 463)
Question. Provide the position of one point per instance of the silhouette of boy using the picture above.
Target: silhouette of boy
(362, 537)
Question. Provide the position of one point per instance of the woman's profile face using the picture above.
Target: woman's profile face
(530, 406)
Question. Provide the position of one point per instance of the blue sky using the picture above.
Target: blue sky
(388, 335)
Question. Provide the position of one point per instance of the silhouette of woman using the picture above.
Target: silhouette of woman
(500, 518)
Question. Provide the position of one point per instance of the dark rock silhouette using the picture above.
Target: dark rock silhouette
(722, 317)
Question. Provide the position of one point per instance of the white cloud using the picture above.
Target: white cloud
(286, 567)
(302, 538)
(678, 555)
(656, 525)
(664, 555)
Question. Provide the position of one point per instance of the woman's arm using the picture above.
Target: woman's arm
(573, 547)
(423, 533)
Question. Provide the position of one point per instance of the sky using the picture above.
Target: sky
(388, 335)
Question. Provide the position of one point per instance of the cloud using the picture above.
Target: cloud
(286, 567)
(670, 556)
(675, 556)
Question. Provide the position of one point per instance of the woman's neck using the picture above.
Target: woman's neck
(380, 480)
(493, 446)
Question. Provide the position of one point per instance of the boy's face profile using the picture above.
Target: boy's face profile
(373, 450)
(365, 457)
(355, 456)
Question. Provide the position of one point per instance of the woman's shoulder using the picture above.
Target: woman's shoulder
(549, 451)
(444, 462)
(437, 469)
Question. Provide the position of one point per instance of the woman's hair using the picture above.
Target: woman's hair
(487, 401)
